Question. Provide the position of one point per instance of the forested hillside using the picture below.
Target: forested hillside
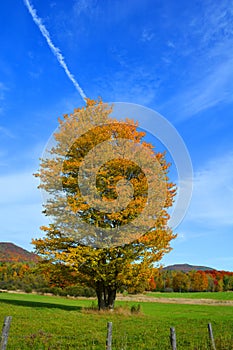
(187, 268)
(10, 252)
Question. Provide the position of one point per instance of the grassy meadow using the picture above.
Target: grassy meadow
(46, 322)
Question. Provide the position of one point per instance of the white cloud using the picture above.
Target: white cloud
(147, 35)
(208, 91)
(6, 132)
(204, 46)
(171, 44)
(212, 201)
(87, 7)
(216, 88)
(215, 24)
(138, 85)
(55, 50)
(3, 89)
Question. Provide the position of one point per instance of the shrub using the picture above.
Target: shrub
(28, 289)
(79, 290)
(135, 309)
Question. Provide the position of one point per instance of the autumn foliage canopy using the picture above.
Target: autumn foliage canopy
(108, 196)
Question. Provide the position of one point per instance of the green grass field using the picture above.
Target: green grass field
(43, 322)
(197, 295)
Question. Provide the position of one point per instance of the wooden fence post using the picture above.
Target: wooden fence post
(109, 336)
(211, 336)
(173, 338)
(5, 332)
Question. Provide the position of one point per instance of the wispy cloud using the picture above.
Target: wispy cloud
(3, 130)
(35, 74)
(6, 132)
(203, 44)
(214, 24)
(87, 7)
(137, 85)
(147, 35)
(55, 50)
(212, 202)
(3, 89)
(214, 89)
(171, 44)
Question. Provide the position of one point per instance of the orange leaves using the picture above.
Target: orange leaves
(124, 178)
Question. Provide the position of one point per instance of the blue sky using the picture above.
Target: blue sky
(172, 56)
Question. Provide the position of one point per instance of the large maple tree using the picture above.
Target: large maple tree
(103, 246)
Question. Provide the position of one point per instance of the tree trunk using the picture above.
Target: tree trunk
(111, 298)
(105, 295)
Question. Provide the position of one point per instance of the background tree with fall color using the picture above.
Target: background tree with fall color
(102, 258)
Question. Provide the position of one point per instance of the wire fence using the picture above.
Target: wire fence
(17, 337)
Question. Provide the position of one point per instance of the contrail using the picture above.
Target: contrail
(55, 50)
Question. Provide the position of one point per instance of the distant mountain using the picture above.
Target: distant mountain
(10, 252)
(186, 268)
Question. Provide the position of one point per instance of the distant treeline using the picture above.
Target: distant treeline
(41, 278)
(59, 279)
(192, 281)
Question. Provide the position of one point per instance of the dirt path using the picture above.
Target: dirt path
(144, 298)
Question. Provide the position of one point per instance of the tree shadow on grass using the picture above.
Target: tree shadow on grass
(38, 304)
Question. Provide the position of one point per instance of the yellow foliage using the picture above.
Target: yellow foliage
(112, 265)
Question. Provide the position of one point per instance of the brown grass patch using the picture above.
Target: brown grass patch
(118, 310)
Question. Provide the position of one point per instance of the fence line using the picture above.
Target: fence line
(109, 336)
(5, 332)
(173, 338)
(211, 336)
(8, 319)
